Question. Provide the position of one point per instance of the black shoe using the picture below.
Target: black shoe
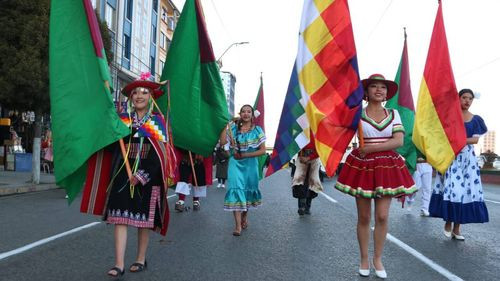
(138, 266)
(307, 211)
(301, 211)
(119, 272)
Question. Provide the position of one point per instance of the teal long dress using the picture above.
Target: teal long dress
(243, 175)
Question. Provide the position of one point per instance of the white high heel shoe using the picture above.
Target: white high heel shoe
(364, 272)
(457, 236)
(382, 274)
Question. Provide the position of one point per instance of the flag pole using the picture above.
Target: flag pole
(192, 168)
(122, 144)
(360, 135)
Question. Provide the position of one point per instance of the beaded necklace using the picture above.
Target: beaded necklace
(138, 123)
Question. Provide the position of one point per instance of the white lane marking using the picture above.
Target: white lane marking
(52, 238)
(496, 202)
(441, 270)
(328, 197)
(46, 240)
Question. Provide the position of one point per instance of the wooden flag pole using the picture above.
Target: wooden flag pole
(192, 169)
(122, 145)
(360, 135)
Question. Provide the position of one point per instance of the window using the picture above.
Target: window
(128, 9)
(155, 5)
(168, 43)
(162, 64)
(110, 17)
(164, 13)
(126, 46)
(171, 23)
(163, 40)
(152, 64)
(153, 34)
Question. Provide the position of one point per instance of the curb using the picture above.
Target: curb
(24, 189)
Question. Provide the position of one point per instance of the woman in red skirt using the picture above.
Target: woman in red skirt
(376, 171)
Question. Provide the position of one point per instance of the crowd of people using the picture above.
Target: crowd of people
(373, 172)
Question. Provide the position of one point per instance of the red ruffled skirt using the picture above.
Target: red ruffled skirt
(377, 174)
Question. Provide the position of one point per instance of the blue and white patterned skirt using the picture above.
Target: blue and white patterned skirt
(457, 196)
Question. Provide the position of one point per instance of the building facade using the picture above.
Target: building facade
(489, 140)
(168, 17)
(137, 28)
(229, 82)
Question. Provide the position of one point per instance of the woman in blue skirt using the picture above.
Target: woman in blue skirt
(457, 196)
(247, 142)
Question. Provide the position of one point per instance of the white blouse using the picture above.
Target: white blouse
(378, 132)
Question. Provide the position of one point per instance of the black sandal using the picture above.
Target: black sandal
(119, 272)
(140, 267)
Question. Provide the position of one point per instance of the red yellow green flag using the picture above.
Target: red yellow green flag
(439, 132)
(403, 102)
(84, 119)
(198, 102)
(259, 121)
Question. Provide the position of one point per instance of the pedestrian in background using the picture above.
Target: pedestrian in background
(306, 182)
(457, 196)
(423, 181)
(375, 170)
(247, 142)
(222, 162)
(187, 184)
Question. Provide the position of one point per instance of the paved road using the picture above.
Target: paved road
(278, 245)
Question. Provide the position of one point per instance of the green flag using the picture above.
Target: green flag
(198, 103)
(259, 121)
(403, 102)
(84, 119)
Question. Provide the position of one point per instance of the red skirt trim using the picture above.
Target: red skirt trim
(377, 174)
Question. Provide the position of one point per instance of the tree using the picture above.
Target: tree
(24, 55)
(24, 63)
(106, 38)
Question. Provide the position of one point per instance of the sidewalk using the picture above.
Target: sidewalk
(20, 182)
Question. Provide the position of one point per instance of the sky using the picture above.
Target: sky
(271, 28)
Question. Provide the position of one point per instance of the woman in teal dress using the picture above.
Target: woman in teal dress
(247, 142)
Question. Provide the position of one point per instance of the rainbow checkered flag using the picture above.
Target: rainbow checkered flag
(324, 94)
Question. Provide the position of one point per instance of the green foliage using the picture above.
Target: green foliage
(24, 55)
(106, 38)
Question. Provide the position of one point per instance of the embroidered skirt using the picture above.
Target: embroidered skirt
(377, 174)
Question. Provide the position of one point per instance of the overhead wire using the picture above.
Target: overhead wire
(379, 20)
(479, 67)
(221, 21)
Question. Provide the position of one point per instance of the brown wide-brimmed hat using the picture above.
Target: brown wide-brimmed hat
(392, 87)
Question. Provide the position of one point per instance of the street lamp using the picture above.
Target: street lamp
(219, 62)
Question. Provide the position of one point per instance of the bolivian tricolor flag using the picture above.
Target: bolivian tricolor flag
(439, 132)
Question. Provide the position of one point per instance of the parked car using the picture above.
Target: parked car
(481, 160)
(496, 163)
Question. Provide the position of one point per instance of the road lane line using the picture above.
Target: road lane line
(441, 270)
(496, 202)
(52, 238)
(44, 241)
(328, 197)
